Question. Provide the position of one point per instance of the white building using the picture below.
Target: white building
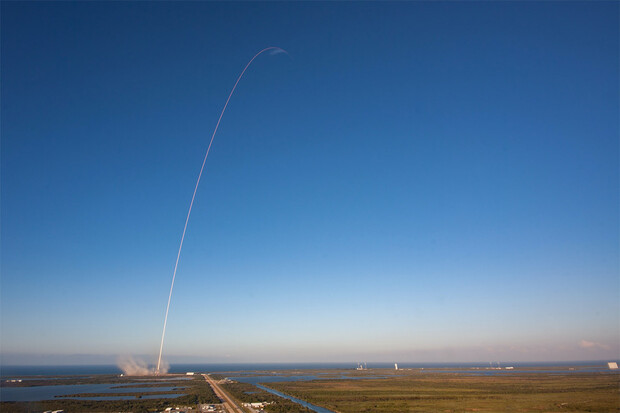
(256, 405)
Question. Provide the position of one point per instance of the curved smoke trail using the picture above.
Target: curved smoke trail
(191, 204)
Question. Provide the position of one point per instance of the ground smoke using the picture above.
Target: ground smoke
(137, 367)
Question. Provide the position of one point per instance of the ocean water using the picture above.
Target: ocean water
(7, 372)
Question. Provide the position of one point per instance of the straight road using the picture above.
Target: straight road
(229, 404)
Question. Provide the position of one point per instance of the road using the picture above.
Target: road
(229, 404)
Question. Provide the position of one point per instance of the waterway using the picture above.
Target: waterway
(256, 380)
(34, 393)
(304, 403)
(16, 371)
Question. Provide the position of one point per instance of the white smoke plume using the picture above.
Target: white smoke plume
(136, 367)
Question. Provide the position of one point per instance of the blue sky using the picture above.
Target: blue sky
(417, 182)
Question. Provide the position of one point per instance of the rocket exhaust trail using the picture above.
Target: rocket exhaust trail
(191, 204)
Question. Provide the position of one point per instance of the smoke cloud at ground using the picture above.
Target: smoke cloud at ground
(136, 367)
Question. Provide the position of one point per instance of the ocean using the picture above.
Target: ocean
(20, 371)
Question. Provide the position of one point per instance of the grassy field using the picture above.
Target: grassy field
(454, 392)
(381, 391)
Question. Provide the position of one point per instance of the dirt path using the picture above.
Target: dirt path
(229, 404)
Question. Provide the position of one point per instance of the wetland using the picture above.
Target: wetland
(557, 389)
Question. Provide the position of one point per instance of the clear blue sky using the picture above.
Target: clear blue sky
(417, 182)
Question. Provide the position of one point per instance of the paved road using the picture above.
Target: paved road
(229, 405)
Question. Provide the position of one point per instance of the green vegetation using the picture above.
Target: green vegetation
(132, 394)
(136, 381)
(381, 391)
(196, 391)
(451, 392)
(247, 393)
(70, 380)
(72, 405)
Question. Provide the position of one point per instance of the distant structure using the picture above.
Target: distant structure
(361, 366)
(189, 373)
(612, 365)
(491, 367)
(395, 366)
(257, 405)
